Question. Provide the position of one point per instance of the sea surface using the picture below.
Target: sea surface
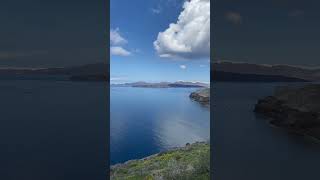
(145, 121)
(247, 147)
(53, 130)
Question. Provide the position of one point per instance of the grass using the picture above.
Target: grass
(190, 162)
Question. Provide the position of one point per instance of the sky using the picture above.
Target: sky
(52, 33)
(267, 32)
(58, 33)
(159, 40)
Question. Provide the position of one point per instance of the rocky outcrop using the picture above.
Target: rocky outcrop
(189, 162)
(295, 108)
(202, 96)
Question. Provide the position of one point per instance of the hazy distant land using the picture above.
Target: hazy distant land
(230, 71)
(177, 84)
(220, 71)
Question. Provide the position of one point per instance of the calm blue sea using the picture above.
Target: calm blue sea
(53, 130)
(145, 121)
(246, 147)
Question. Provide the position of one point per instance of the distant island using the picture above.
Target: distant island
(88, 72)
(221, 76)
(294, 108)
(246, 72)
(220, 72)
(178, 84)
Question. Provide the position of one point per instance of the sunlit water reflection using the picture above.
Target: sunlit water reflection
(145, 121)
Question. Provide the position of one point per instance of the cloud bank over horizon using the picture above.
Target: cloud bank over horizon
(189, 37)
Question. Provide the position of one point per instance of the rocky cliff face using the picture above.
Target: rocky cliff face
(202, 96)
(295, 108)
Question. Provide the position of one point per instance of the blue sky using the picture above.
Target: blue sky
(139, 54)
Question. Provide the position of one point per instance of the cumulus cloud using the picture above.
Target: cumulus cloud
(156, 10)
(119, 51)
(116, 41)
(234, 17)
(189, 37)
(116, 38)
(183, 66)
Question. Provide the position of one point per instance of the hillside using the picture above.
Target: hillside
(260, 71)
(221, 76)
(190, 162)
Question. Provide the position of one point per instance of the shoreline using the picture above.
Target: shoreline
(293, 108)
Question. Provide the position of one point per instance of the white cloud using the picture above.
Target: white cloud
(137, 51)
(189, 37)
(183, 66)
(117, 78)
(234, 17)
(119, 51)
(156, 10)
(116, 38)
(116, 41)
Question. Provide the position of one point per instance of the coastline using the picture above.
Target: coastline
(293, 108)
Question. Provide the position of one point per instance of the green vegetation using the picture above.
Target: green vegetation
(190, 162)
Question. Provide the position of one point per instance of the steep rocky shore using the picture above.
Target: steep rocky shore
(189, 162)
(202, 96)
(295, 108)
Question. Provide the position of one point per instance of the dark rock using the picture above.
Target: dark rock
(202, 96)
(295, 108)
